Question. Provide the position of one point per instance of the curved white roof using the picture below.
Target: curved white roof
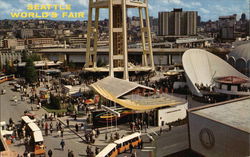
(201, 67)
(242, 51)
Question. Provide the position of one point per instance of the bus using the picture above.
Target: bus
(37, 139)
(4, 78)
(10, 77)
(123, 143)
(109, 151)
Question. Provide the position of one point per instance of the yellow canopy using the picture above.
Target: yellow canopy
(132, 104)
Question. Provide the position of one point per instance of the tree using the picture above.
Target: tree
(9, 69)
(26, 55)
(35, 57)
(30, 71)
(55, 102)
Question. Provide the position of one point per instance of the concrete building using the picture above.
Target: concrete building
(232, 85)
(240, 58)
(221, 129)
(10, 43)
(227, 27)
(26, 33)
(77, 41)
(177, 23)
(6, 57)
(39, 41)
(162, 57)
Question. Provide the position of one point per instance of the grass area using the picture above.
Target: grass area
(54, 110)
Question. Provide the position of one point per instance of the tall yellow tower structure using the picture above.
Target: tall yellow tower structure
(118, 44)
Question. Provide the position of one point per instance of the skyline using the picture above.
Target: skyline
(208, 10)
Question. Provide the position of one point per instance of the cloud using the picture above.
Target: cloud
(205, 11)
(84, 3)
(59, 2)
(195, 4)
(150, 7)
(178, 2)
(4, 5)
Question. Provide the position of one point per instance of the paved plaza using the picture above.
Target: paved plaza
(166, 143)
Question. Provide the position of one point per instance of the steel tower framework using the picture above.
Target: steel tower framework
(118, 44)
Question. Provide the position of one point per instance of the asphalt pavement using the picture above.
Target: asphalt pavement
(167, 143)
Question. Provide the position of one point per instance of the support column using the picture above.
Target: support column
(89, 31)
(170, 59)
(111, 62)
(96, 36)
(149, 39)
(167, 59)
(144, 57)
(125, 44)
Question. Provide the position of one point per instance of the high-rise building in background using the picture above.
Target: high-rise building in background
(227, 27)
(243, 17)
(177, 22)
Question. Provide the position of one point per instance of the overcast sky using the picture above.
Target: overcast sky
(207, 9)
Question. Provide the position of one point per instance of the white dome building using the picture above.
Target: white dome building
(240, 58)
(202, 67)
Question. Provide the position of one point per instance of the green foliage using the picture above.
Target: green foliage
(55, 102)
(33, 56)
(72, 65)
(30, 71)
(24, 55)
(9, 69)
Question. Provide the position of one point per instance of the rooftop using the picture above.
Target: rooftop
(234, 113)
(118, 87)
(231, 80)
(119, 91)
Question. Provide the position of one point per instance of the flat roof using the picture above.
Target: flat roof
(106, 150)
(155, 99)
(126, 138)
(234, 113)
(33, 127)
(27, 119)
(38, 136)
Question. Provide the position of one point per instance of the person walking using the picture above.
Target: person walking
(67, 123)
(97, 150)
(62, 130)
(50, 153)
(131, 148)
(51, 131)
(62, 143)
(141, 144)
(76, 126)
